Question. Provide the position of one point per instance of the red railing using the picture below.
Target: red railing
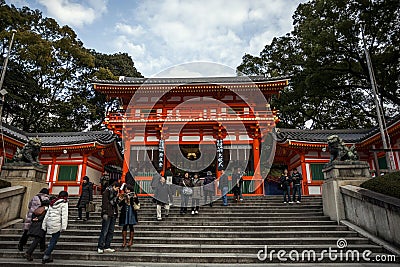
(190, 115)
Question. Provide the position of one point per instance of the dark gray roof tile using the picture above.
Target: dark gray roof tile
(207, 80)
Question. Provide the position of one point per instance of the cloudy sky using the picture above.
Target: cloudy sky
(161, 34)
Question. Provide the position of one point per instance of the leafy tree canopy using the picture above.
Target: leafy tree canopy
(325, 59)
(48, 74)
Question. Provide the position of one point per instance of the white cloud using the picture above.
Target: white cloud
(197, 69)
(135, 31)
(73, 13)
(123, 43)
(176, 31)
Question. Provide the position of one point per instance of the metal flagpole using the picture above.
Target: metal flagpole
(3, 92)
(379, 112)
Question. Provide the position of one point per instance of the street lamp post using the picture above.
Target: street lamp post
(3, 93)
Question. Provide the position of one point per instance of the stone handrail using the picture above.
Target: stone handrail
(376, 213)
(11, 200)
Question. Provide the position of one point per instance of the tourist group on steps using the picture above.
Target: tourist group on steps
(49, 215)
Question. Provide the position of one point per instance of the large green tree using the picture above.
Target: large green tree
(325, 59)
(49, 73)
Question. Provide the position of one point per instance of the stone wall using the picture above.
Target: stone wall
(376, 213)
(33, 178)
(11, 199)
(339, 174)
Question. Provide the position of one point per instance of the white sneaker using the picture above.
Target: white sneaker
(241, 199)
(298, 201)
(284, 202)
(290, 202)
(196, 212)
(159, 219)
(192, 212)
(109, 250)
(100, 251)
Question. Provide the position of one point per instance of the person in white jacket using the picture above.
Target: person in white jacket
(55, 222)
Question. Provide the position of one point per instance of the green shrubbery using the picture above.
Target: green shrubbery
(4, 184)
(388, 184)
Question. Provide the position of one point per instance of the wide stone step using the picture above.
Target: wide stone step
(227, 220)
(102, 263)
(293, 240)
(91, 224)
(77, 229)
(201, 248)
(232, 258)
(264, 214)
(210, 232)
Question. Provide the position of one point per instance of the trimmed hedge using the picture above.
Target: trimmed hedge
(388, 184)
(4, 184)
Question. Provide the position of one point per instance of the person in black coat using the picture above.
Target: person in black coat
(237, 181)
(36, 231)
(85, 197)
(128, 215)
(209, 188)
(285, 181)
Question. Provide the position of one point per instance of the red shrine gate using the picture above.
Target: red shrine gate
(195, 125)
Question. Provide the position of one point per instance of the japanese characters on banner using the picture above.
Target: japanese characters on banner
(161, 154)
(220, 154)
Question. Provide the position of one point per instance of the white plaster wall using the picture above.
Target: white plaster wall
(94, 175)
(95, 160)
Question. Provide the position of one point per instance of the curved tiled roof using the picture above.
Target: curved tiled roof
(14, 133)
(62, 138)
(69, 138)
(348, 136)
(208, 80)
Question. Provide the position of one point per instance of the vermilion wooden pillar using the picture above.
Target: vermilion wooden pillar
(84, 167)
(52, 170)
(257, 175)
(304, 173)
(125, 164)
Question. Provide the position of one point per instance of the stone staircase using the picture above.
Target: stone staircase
(218, 236)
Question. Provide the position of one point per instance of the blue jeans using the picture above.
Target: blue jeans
(52, 244)
(107, 233)
(296, 188)
(224, 195)
(286, 191)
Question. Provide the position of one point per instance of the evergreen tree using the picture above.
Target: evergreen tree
(49, 73)
(325, 59)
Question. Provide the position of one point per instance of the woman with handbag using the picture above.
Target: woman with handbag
(85, 198)
(129, 203)
(187, 191)
(35, 229)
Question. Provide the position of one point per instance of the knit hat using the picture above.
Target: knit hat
(86, 178)
(44, 191)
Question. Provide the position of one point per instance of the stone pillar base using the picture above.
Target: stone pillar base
(337, 174)
(33, 178)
